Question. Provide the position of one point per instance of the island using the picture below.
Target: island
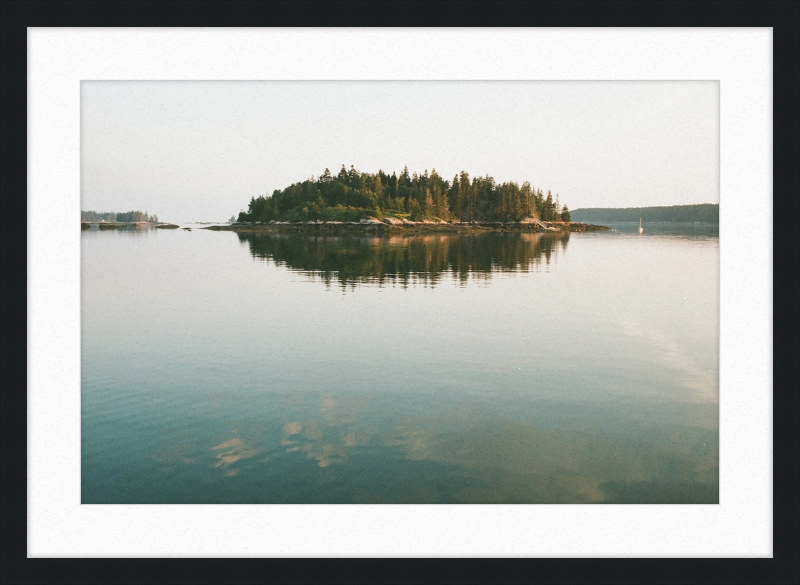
(111, 220)
(355, 200)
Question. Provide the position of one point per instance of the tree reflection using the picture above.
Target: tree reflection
(107, 230)
(406, 260)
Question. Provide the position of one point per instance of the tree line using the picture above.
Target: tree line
(351, 195)
(126, 216)
(703, 212)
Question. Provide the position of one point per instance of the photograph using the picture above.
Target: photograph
(399, 292)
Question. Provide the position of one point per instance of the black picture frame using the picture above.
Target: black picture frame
(783, 17)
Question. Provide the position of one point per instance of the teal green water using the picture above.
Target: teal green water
(499, 368)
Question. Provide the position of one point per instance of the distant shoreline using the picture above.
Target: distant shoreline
(705, 213)
(117, 225)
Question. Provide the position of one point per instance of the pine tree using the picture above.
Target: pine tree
(465, 191)
(549, 212)
(427, 202)
(455, 198)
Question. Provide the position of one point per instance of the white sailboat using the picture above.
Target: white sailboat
(641, 229)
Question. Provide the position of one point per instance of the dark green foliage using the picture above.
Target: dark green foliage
(128, 216)
(351, 195)
(703, 212)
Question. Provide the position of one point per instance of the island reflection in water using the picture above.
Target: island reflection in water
(405, 260)
(487, 368)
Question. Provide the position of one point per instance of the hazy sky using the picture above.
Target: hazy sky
(198, 151)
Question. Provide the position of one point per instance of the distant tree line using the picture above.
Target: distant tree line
(352, 195)
(126, 216)
(703, 212)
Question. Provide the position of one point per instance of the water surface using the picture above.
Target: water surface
(499, 368)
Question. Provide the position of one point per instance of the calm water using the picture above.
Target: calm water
(500, 368)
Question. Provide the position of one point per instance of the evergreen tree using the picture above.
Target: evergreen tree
(549, 208)
(465, 191)
(455, 198)
(427, 203)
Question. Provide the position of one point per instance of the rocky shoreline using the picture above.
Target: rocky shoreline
(404, 225)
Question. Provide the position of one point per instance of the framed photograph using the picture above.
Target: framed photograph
(402, 292)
